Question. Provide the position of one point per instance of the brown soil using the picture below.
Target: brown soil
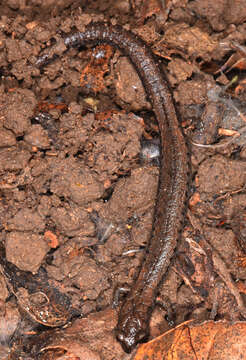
(77, 191)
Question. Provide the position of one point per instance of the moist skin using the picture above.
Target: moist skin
(135, 312)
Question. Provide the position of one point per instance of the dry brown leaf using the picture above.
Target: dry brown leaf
(208, 341)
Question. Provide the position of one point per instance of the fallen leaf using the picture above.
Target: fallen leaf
(207, 341)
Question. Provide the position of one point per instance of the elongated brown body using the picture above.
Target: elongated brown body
(135, 312)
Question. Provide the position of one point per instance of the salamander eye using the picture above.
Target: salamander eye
(120, 337)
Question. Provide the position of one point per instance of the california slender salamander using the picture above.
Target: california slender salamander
(133, 323)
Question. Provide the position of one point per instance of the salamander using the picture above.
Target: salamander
(136, 309)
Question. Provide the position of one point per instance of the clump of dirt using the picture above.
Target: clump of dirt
(76, 197)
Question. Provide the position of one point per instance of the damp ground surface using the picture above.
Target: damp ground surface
(79, 158)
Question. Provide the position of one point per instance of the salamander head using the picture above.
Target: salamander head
(130, 331)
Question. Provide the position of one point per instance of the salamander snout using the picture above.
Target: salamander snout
(130, 332)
